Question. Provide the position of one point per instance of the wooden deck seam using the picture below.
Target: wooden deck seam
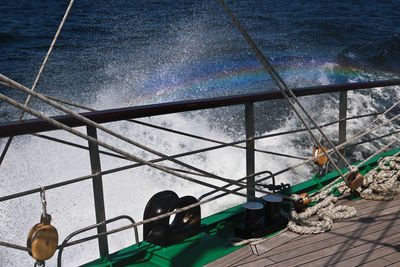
(364, 212)
(370, 238)
(393, 258)
(292, 244)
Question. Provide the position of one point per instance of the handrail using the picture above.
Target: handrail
(106, 172)
(37, 125)
(66, 244)
(14, 128)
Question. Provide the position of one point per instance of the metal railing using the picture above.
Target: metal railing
(65, 243)
(34, 126)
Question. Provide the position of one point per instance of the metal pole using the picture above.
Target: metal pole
(342, 123)
(250, 154)
(98, 191)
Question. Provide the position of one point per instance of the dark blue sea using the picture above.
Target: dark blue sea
(115, 53)
(157, 51)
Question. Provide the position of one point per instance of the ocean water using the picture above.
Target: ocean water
(126, 53)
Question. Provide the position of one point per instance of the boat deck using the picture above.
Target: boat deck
(372, 238)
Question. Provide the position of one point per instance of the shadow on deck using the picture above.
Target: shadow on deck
(372, 238)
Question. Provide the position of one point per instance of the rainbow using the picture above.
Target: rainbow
(243, 77)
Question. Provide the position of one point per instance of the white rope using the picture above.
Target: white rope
(382, 182)
(302, 224)
(47, 56)
(43, 200)
(76, 115)
(284, 89)
(326, 190)
(237, 241)
(110, 147)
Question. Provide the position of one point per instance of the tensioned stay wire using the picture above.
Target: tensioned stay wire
(3, 154)
(233, 144)
(306, 161)
(177, 132)
(284, 88)
(112, 148)
(94, 124)
(284, 169)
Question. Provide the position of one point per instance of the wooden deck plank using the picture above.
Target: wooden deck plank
(350, 232)
(393, 258)
(273, 243)
(312, 256)
(371, 239)
(374, 236)
(353, 252)
(367, 257)
(305, 248)
(354, 238)
(233, 258)
(377, 262)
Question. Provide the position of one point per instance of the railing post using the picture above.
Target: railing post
(250, 165)
(98, 191)
(342, 123)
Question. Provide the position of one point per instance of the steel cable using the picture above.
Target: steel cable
(3, 154)
(284, 88)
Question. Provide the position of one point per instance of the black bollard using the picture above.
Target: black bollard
(272, 208)
(253, 215)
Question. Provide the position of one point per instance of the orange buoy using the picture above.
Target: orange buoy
(354, 180)
(42, 239)
(323, 159)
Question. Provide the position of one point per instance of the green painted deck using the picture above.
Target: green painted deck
(372, 237)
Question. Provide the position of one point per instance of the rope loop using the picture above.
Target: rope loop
(327, 213)
(382, 183)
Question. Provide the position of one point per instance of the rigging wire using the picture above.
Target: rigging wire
(99, 126)
(233, 144)
(154, 218)
(277, 173)
(326, 190)
(177, 132)
(328, 150)
(284, 89)
(112, 148)
(78, 116)
(130, 156)
(3, 154)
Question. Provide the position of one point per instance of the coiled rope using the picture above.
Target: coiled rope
(382, 183)
(327, 213)
(379, 184)
(326, 190)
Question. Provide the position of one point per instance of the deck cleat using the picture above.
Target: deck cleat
(354, 180)
(300, 205)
